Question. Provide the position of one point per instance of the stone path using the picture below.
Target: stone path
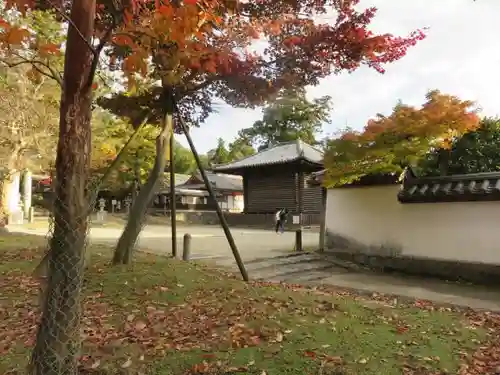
(313, 269)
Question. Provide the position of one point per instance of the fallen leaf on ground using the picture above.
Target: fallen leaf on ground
(140, 325)
(127, 363)
(310, 354)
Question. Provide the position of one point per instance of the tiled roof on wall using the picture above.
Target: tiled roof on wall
(278, 154)
(455, 188)
(317, 178)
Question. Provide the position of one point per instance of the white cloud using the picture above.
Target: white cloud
(461, 56)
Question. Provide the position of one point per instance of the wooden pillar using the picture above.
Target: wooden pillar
(173, 213)
(322, 227)
(245, 193)
(27, 192)
(300, 204)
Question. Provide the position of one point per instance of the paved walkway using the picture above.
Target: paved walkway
(269, 256)
(208, 241)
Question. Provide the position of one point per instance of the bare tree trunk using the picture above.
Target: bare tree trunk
(3, 201)
(128, 239)
(58, 338)
(443, 162)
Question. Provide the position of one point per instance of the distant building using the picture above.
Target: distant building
(275, 178)
(228, 190)
(192, 194)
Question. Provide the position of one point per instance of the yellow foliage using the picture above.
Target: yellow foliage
(388, 143)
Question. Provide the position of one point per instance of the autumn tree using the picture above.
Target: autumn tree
(29, 100)
(388, 144)
(32, 41)
(89, 26)
(111, 134)
(474, 152)
(28, 118)
(201, 52)
(110, 137)
(290, 117)
(28, 126)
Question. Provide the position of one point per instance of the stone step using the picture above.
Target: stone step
(314, 277)
(340, 262)
(292, 269)
(282, 261)
(291, 257)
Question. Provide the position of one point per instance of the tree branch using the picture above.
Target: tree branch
(202, 85)
(97, 53)
(53, 74)
(70, 21)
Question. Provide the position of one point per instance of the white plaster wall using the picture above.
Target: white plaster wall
(234, 203)
(239, 203)
(455, 231)
(224, 205)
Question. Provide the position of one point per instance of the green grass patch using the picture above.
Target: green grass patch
(163, 316)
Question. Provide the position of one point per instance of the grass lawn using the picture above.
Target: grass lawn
(162, 316)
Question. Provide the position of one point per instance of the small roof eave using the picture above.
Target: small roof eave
(282, 153)
(241, 170)
(188, 192)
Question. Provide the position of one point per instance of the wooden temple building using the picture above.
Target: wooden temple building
(275, 178)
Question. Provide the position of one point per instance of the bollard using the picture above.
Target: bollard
(298, 240)
(186, 247)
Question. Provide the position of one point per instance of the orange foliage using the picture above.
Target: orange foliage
(203, 48)
(388, 143)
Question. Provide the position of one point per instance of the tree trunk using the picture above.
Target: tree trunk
(27, 193)
(3, 201)
(58, 338)
(128, 239)
(443, 162)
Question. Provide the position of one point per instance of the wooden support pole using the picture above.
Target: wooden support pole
(173, 213)
(300, 193)
(208, 185)
(322, 226)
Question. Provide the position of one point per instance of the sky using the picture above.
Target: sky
(460, 56)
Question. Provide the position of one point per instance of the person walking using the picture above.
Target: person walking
(281, 217)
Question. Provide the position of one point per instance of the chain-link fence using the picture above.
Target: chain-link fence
(61, 274)
(72, 205)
